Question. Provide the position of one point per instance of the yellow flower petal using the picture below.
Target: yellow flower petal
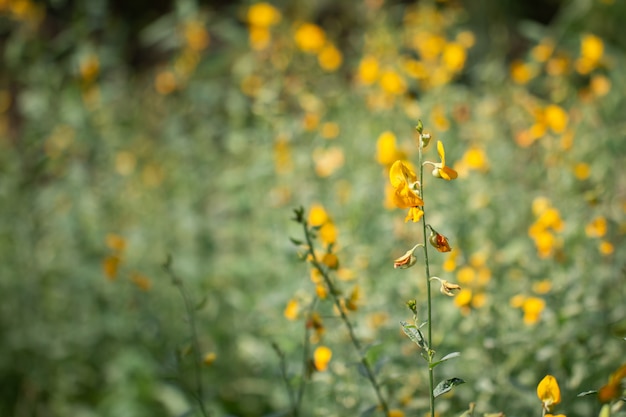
(548, 392)
(321, 358)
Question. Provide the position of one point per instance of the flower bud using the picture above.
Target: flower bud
(438, 241)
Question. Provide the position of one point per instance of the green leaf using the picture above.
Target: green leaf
(414, 334)
(445, 358)
(295, 241)
(447, 385)
(584, 394)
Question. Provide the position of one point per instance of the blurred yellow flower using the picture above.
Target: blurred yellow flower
(396, 413)
(463, 300)
(542, 287)
(386, 149)
(439, 119)
(321, 358)
(596, 227)
(327, 161)
(330, 130)
(110, 267)
(558, 65)
(548, 392)
(582, 171)
(543, 51)
(606, 248)
(317, 215)
(591, 52)
(613, 389)
(209, 358)
(532, 307)
(263, 15)
(405, 184)
(521, 72)
(115, 242)
(591, 48)
(165, 82)
(556, 118)
(466, 275)
(368, 70)
(259, 37)
(283, 163)
(600, 85)
(310, 38)
(392, 83)
(311, 121)
(328, 233)
(329, 58)
(331, 260)
(454, 56)
(475, 158)
(89, 68)
(315, 322)
(352, 302)
(196, 35)
(141, 281)
(292, 309)
(466, 39)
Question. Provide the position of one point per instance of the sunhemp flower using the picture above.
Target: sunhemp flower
(407, 260)
(438, 241)
(440, 169)
(406, 190)
(447, 288)
(613, 389)
(548, 392)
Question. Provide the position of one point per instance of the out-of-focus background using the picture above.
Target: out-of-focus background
(130, 131)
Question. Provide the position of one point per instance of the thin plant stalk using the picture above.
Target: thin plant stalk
(189, 311)
(305, 363)
(431, 371)
(355, 341)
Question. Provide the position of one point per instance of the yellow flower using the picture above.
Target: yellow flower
(327, 161)
(548, 392)
(596, 228)
(141, 281)
(209, 358)
(292, 309)
(405, 184)
(440, 169)
(321, 358)
(196, 35)
(521, 72)
(263, 15)
(310, 38)
(532, 307)
(386, 149)
(392, 83)
(556, 118)
(110, 266)
(454, 56)
(612, 390)
(329, 58)
(368, 70)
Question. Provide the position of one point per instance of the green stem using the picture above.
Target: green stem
(199, 394)
(355, 341)
(305, 361)
(431, 372)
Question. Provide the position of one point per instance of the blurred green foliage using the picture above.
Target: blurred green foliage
(130, 132)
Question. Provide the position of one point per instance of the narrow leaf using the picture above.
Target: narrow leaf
(584, 394)
(447, 385)
(295, 241)
(414, 334)
(445, 358)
